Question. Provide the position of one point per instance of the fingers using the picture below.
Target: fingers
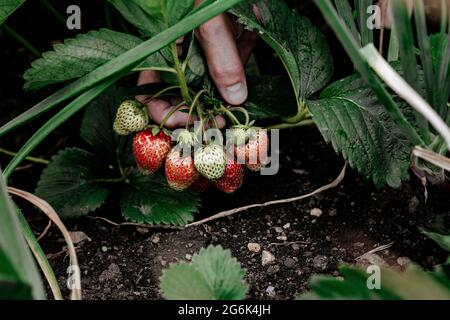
(224, 62)
(159, 108)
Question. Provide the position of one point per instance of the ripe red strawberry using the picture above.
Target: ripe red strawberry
(150, 150)
(232, 178)
(254, 153)
(180, 170)
(200, 185)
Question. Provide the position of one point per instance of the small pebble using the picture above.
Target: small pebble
(320, 262)
(278, 230)
(267, 258)
(254, 247)
(271, 291)
(316, 212)
(287, 226)
(188, 257)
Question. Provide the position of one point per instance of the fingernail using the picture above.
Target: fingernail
(236, 94)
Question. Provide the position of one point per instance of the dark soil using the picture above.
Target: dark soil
(126, 262)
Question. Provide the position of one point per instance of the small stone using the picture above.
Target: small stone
(273, 269)
(254, 247)
(358, 244)
(278, 230)
(296, 246)
(104, 248)
(289, 263)
(188, 256)
(287, 226)
(328, 238)
(267, 258)
(155, 239)
(282, 238)
(403, 261)
(320, 262)
(316, 212)
(271, 291)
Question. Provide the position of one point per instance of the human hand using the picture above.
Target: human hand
(225, 57)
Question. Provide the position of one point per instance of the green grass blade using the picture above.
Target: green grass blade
(56, 121)
(424, 46)
(352, 48)
(40, 256)
(405, 36)
(362, 16)
(346, 13)
(393, 52)
(121, 64)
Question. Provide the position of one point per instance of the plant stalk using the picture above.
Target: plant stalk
(19, 38)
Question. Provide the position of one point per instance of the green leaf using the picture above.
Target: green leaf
(270, 97)
(148, 199)
(213, 275)
(18, 273)
(299, 44)
(442, 240)
(350, 116)
(7, 7)
(195, 64)
(134, 14)
(74, 182)
(96, 129)
(165, 13)
(83, 54)
(413, 284)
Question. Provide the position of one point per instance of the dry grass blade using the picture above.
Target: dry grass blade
(227, 213)
(432, 158)
(53, 216)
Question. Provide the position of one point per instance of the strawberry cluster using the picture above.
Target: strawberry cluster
(191, 162)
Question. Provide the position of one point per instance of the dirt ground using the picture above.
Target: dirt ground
(126, 262)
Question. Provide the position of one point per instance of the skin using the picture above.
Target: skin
(225, 57)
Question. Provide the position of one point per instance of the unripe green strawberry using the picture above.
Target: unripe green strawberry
(210, 161)
(180, 170)
(239, 135)
(130, 117)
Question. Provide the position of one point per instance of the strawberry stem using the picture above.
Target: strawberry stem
(194, 103)
(160, 93)
(244, 112)
(230, 115)
(303, 123)
(171, 112)
(180, 73)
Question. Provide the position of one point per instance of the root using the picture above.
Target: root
(228, 213)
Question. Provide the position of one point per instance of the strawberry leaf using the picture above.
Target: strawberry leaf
(270, 97)
(413, 284)
(83, 54)
(148, 199)
(74, 182)
(7, 7)
(350, 116)
(299, 44)
(213, 275)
